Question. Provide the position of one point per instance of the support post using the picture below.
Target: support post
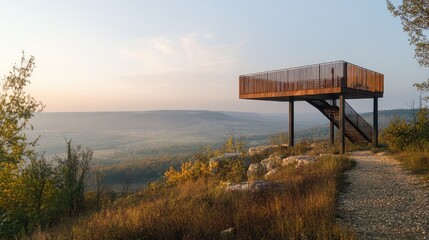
(291, 123)
(375, 123)
(342, 126)
(332, 127)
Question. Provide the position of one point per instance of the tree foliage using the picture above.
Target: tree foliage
(233, 144)
(414, 15)
(37, 195)
(398, 134)
(16, 109)
(423, 88)
(72, 172)
(34, 193)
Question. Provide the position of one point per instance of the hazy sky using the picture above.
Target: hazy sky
(145, 55)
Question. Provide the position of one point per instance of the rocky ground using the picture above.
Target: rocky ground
(383, 201)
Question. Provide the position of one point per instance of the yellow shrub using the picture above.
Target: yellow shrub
(188, 170)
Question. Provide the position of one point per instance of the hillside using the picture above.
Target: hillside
(203, 200)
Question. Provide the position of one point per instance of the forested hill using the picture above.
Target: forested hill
(385, 116)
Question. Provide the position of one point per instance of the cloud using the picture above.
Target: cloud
(193, 52)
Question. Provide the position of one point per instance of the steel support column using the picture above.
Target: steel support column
(342, 126)
(332, 127)
(291, 123)
(375, 123)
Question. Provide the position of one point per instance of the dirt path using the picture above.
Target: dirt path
(383, 201)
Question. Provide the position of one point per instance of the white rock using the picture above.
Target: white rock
(271, 172)
(252, 186)
(256, 170)
(227, 233)
(298, 160)
(271, 162)
(264, 149)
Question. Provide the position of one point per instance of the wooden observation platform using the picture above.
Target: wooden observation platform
(325, 86)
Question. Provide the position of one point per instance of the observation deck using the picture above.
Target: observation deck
(321, 81)
(325, 86)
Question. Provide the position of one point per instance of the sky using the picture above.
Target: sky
(161, 55)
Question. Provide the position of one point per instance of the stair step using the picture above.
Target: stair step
(332, 113)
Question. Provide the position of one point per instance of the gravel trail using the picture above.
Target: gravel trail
(383, 201)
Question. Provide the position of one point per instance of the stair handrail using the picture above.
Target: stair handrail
(360, 123)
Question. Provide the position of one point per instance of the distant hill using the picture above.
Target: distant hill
(150, 132)
(385, 116)
(153, 133)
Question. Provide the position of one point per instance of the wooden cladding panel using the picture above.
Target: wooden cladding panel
(320, 76)
(364, 79)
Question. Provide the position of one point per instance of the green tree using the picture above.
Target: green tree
(100, 188)
(414, 15)
(423, 88)
(16, 109)
(33, 192)
(39, 192)
(72, 172)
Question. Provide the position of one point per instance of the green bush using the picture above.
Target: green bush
(399, 134)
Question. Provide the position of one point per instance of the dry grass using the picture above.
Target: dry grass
(304, 208)
(417, 162)
(415, 157)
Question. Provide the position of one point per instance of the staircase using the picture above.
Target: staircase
(357, 130)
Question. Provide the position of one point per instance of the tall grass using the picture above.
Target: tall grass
(416, 158)
(303, 208)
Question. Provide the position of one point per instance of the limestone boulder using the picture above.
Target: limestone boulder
(298, 160)
(271, 172)
(273, 161)
(264, 149)
(255, 171)
(253, 186)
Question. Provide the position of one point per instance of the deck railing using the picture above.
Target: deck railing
(364, 79)
(358, 121)
(326, 75)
